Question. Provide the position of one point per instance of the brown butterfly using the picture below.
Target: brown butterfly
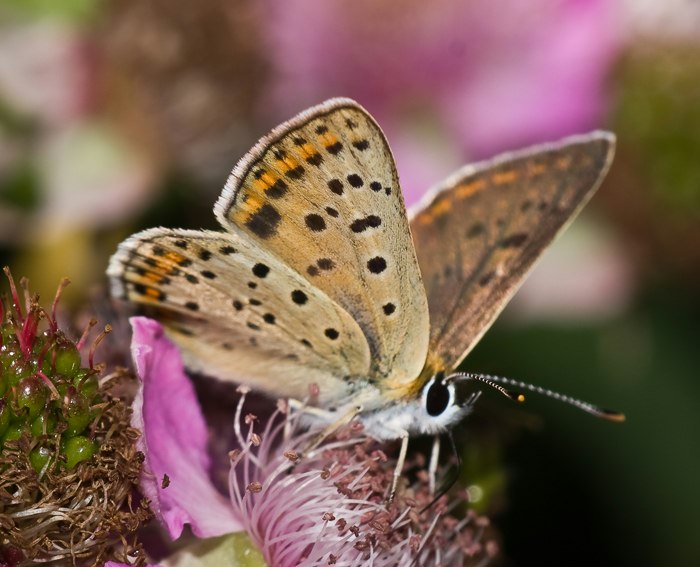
(319, 277)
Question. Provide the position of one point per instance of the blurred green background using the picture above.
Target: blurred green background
(121, 115)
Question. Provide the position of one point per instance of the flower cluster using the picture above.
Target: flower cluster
(68, 463)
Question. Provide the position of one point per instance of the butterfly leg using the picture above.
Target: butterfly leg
(302, 407)
(432, 468)
(330, 429)
(403, 435)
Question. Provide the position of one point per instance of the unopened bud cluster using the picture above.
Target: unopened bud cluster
(68, 461)
(46, 391)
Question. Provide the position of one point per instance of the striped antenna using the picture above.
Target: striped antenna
(496, 381)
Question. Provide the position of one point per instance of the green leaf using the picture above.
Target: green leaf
(231, 550)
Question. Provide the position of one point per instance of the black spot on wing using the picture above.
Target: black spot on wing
(370, 221)
(376, 265)
(277, 190)
(315, 222)
(325, 263)
(334, 148)
(296, 172)
(260, 270)
(264, 221)
(299, 297)
(355, 180)
(336, 186)
(486, 278)
(315, 159)
(515, 240)
(475, 230)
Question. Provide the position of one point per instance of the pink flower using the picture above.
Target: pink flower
(326, 507)
(484, 75)
(174, 440)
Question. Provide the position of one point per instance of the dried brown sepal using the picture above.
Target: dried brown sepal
(68, 459)
(81, 516)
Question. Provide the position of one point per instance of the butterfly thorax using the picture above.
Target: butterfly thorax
(431, 408)
(389, 410)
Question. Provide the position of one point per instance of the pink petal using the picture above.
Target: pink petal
(174, 439)
(540, 85)
(491, 74)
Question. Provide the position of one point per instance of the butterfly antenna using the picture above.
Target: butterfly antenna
(490, 381)
(496, 381)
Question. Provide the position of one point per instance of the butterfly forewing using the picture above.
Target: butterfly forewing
(481, 231)
(240, 313)
(321, 193)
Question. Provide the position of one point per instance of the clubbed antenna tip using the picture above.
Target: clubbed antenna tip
(496, 381)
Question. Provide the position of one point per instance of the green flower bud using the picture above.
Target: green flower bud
(31, 397)
(67, 360)
(14, 431)
(5, 413)
(39, 456)
(17, 370)
(77, 449)
(86, 381)
(76, 411)
(44, 424)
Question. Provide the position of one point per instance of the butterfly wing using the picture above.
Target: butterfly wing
(322, 194)
(479, 233)
(240, 313)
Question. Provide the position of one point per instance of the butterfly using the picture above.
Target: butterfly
(320, 277)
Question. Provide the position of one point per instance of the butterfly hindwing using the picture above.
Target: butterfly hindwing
(479, 233)
(239, 313)
(322, 194)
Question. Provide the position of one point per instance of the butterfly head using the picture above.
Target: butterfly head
(444, 403)
(446, 399)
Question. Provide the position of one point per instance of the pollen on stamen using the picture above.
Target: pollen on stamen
(306, 507)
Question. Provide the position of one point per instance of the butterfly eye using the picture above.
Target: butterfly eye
(438, 396)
